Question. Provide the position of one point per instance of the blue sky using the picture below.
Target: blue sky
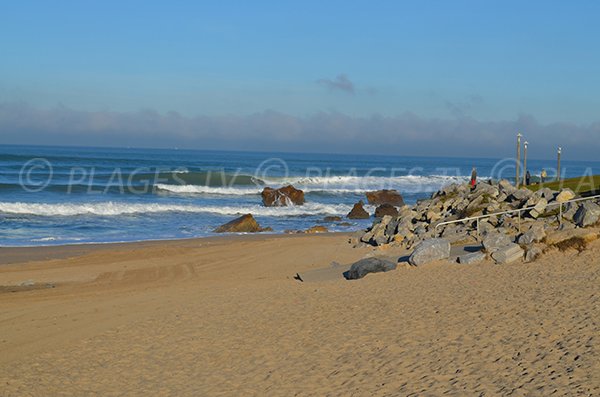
(490, 61)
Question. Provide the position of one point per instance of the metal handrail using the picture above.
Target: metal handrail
(518, 211)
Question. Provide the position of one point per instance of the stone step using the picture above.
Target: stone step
(471, 258)
(508, 254)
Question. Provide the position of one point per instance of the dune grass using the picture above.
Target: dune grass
(584, 186)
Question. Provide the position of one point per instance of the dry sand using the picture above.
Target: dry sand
(224, 317)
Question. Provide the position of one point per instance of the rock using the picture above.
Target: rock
(432, 216)
(332, 219)
(546, 193)
(533, 235)
(492, 242)
(392, 226)
(486, 190)
(380, 236)
(385, 196)
(508, 254)
(587, 214)
(368, 265)
(471, 258)
(566, 226)
(569, 211)
(506, 187)
(243, 224)
(385, 209)
(532, 252)
(358, 212)
(285, 196)
(430, 250)
(317, 229)
(565, 195)
(539, 208)
(520, 195)
(27, 283)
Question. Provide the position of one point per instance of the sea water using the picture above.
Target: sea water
(66, 195)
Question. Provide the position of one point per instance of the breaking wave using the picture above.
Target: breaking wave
(325, 185)
(111, 208)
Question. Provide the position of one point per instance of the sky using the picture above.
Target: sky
(420, 77)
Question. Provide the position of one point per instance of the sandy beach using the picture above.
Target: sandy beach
(225, 317)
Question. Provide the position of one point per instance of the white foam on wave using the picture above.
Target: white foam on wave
(200, 189)
(111, 208)
(329, 184)
(404, 183)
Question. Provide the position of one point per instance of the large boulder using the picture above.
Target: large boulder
(520, 195)
(358, 212)
(243, 224)
(495, 241)
(565, 195)
(546, 193)
(377, 235)
(385, 196)
(588, 214)
(569, 211)
(532, 252)
(287, 195)
(506, 187)
(368, 265)
(430, 250)
(386, 209)
(538, 208)
(533, 235)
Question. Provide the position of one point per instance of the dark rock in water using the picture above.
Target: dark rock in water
(358, 212)
(368, 265)
(430, 250)
(386, 209)
(385, 196)
(287, 195)
(332, 219)
(243, 224)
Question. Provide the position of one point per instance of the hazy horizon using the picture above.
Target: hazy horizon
(456, 79)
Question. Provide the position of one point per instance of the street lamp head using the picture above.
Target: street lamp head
(526, 143)
(559, 150)
(519, 135)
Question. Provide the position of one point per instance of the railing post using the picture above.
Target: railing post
(478, 229)
(519, 213)
(560, 215)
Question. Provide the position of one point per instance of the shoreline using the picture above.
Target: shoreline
(18, 254)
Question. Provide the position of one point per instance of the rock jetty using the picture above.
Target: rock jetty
(505, 238)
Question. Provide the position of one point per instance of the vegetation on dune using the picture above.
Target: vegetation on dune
(584, 185)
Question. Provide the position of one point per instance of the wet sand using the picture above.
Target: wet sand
(225, 317)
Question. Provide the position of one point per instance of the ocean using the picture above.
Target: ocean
(72, 195)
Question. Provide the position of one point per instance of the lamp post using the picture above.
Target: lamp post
(518, 158)
(525, 163)
(558, 165)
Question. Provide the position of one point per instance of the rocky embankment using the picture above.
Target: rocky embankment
(505, 237)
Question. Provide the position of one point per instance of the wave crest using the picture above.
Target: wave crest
(111, 208)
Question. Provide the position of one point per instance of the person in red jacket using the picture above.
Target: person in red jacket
(474, 177)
